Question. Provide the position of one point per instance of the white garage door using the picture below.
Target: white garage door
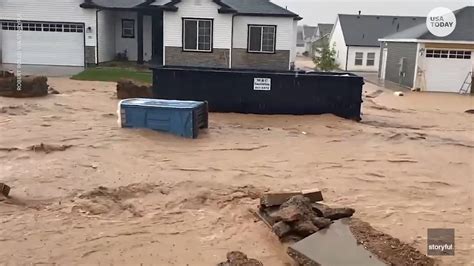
(446, 70)
(43, 43)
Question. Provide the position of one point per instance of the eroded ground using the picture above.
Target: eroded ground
(121, 196)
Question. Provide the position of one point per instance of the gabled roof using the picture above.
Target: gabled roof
(259, 7)
(241, 7)
(464, 30)
(366, 30)
(309, 31)
(299, 39)
(325, 29)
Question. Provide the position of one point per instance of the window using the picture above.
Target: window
(359, 59)
(128, 28)
(261, 39)
(370, 59)
(451, 54)
(42, 26)
(197, 35)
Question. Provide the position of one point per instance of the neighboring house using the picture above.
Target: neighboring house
(415, 58)
(310, 34)
(356, 38)
(324, 29)
(300, 45)
(324, 32)
(208, 33)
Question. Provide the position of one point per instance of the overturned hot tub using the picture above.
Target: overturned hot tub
(261, 91)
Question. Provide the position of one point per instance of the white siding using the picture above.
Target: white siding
(50, 10)
(364, 67)
(286, 31)
(106, 32)
(337, 41)
(198, 9)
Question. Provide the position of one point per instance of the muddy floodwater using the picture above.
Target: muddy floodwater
(94, 192)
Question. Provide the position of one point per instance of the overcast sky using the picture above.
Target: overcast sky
(325, 11)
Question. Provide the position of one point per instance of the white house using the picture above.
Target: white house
(209, 33)
(356, 38)
(417, 59)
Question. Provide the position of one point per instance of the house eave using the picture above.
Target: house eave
(270, 15)
(426, 41)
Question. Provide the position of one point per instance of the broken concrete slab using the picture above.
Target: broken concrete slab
(4, 189)
(276, 199)
(324, 248)
(314, 195)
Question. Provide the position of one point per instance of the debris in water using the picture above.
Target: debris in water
(4, 189)
(48, 148)
(237, 258)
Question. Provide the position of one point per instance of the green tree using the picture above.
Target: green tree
(325, 58)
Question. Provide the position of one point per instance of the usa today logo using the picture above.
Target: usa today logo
(441, 21)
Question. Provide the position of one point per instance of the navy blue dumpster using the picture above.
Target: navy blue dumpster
(262, 92)
(182, 118)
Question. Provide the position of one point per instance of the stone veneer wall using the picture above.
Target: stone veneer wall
(90, 55)
(175, 56)
(280, 60)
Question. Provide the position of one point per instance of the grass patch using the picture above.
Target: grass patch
(114, 74)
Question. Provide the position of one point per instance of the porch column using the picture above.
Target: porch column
(157, 37)
(140, 38)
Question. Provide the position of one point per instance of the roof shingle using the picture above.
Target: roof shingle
(366, 30)
(464, 30)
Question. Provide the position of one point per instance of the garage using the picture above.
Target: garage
(42, 43)
(446, 70)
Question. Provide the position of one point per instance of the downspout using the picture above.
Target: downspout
(97, 35)
(231, 42)
(347, 56)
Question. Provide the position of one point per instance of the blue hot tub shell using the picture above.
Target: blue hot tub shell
(182, 118)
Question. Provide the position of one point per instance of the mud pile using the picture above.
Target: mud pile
(130, 89)
(29, 86)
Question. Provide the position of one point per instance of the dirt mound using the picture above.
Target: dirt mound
(237, 258)
(387, 248)
(131, 89)
(31, 86)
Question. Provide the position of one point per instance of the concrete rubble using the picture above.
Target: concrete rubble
(237, 258)
(296, 215)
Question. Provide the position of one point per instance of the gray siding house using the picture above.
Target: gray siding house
(417, 59)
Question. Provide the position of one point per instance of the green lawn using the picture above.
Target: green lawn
(114, 74)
